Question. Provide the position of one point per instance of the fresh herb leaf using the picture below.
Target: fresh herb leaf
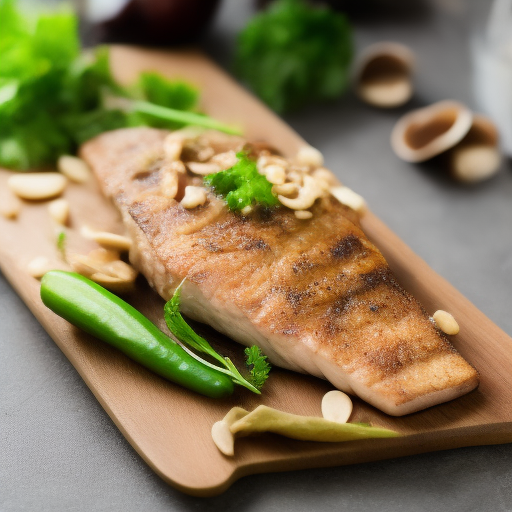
(294, 53)
(242, 185)
(187, 336)
(61, 244)
(258, 364)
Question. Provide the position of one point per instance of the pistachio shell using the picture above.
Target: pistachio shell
(383, 75)
(477, 156)
(427, 132)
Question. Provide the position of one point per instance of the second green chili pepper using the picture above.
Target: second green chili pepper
(104, 315)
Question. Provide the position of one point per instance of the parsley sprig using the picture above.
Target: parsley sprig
(190, 339)
(242, 185)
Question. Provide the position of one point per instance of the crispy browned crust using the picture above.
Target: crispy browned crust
(320, 284)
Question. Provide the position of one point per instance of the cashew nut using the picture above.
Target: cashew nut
(307, 195)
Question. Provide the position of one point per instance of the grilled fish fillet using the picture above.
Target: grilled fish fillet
(317, 296)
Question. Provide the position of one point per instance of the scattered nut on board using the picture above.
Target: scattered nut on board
(106, 239)
(37, 185)
(336, 406)
(10, 207)
(59, 211)
(105, 268)
(39, 266)
(74, 168)
(446, 322)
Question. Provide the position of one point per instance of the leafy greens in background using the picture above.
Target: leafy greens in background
(294, 53)
(52, 98)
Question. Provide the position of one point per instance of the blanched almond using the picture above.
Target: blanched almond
(336, 406)
(74, 168)
(39, 266)
(10, 207)
(59, 210)
(106, 239)
(37, 185)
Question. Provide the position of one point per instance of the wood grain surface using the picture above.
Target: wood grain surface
(170, 426)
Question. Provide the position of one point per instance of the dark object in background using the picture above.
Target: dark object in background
(155, 22)
(374, 11)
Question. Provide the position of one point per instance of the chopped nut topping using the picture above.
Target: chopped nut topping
(303, 214)
(308, 155)
(203, 168)
(307, 195)
(194, 196)
(349, 198)
(173, 146)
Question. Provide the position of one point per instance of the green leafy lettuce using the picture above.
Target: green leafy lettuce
(294, 53)
(53, 98)
(242, 185)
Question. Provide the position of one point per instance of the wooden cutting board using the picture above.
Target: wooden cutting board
(169, 426)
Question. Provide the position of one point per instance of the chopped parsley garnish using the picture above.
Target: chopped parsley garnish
(61, 244)
(188, 337)
(294, 53)
(242, 185)
(258, 364)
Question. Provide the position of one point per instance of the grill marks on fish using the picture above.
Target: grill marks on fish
(318, 296)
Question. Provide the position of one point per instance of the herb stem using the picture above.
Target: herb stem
(181, 116)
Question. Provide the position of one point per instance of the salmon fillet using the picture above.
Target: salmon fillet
(316, 295)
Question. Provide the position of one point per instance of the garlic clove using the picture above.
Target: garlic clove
(383, 75)
(477, 156)
(427, 132)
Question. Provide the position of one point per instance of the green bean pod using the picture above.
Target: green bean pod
(95, 310)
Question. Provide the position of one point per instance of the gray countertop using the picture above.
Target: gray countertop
(61, 452)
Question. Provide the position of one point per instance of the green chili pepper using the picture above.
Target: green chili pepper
(104, 315)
